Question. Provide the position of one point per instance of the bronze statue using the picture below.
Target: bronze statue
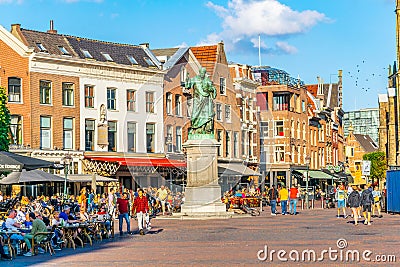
(204, 92)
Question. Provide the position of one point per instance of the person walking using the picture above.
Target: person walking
(341, 200)
(284, 196)
(377, 202)
(366, 202)
(141, 207)
(354, 203)
(272, 195)
(162, 194)
(293, 195)
(123, 213)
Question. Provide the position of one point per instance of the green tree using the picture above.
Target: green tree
(378, 165)
(4, 121)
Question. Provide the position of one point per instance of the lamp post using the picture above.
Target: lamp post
(66, 161)
(308, 158)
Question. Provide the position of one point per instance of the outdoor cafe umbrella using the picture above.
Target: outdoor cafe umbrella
(33, 176)
(14, 162)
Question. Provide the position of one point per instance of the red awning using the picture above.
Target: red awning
(156, 162)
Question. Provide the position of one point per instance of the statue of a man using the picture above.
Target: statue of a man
(204, 92)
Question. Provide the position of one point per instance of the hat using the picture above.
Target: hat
(67, 208)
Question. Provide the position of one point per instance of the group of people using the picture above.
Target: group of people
(285, 196)
(365, 201)
(78, 209)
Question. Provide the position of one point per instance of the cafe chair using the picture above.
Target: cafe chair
(45, 243)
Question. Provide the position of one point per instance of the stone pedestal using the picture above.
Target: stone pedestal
(203, 193)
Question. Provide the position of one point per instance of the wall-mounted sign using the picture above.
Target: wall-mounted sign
(10, 167)
(102, 135)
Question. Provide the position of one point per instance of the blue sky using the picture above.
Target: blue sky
(308, 38)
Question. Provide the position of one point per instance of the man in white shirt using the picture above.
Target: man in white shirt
(11, 224)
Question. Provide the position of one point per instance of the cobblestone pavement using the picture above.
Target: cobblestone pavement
(236, 242)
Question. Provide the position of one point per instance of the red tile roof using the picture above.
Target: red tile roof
(207, 57)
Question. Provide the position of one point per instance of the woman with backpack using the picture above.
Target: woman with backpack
(354, 200)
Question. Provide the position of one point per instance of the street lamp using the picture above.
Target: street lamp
(308, 158)
(66, 161)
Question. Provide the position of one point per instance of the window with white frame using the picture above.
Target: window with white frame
(218, 108)
(89, 96)
(14, 89)
(279, 129)
(304, 131)
(130, 100)
(111, 98)
(219, 139)
(169, 137)
(89, 134)
(131, 127)
(68, 94)
(45, 132)
(68, 133)
(112, 136)
(178, 105)
(227, 113)
(45, 92)
(178, 135)
(168, 101)
(16, 129)
(150, 137)
(279, 153)
(264, 130)
(298, 130)
(236, 144)
(227, 144)
(150, 102)
(222, 86)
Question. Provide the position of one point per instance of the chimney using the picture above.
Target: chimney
(145, 45)
(52, 28)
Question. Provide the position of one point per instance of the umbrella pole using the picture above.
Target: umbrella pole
(24, 191)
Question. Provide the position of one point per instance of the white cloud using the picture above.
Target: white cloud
(183, 44)
(285, 47)
(245, 20)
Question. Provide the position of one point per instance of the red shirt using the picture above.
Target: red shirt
(122, 205)
(141, 204)
(293, 193)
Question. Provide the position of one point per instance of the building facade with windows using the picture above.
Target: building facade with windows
(364, 121)
(247, 141)
(105, 99)
(284, 125)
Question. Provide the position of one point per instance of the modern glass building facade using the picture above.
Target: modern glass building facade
(364, 121)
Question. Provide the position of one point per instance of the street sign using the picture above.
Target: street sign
(366, 167)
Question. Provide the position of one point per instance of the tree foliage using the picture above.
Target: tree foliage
(378, 164)
(4, 121)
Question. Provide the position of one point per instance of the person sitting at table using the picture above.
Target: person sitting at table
(68, 217)
(55, 223)
(12, 225)
(21, 213)
(102, 215)
(37, 227)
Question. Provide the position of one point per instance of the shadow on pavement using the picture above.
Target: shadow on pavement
(45, 259)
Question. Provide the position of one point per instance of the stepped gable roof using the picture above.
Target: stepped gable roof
(75, 45)
(207, 57)
(50, 41)
(366, 142)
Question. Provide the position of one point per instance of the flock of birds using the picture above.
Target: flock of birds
(363, 80)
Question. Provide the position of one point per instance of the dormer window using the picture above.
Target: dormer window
(63, 50)
(149, 62)
(107, 56)
(41, 47)
(132, 60)
(86, 53)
